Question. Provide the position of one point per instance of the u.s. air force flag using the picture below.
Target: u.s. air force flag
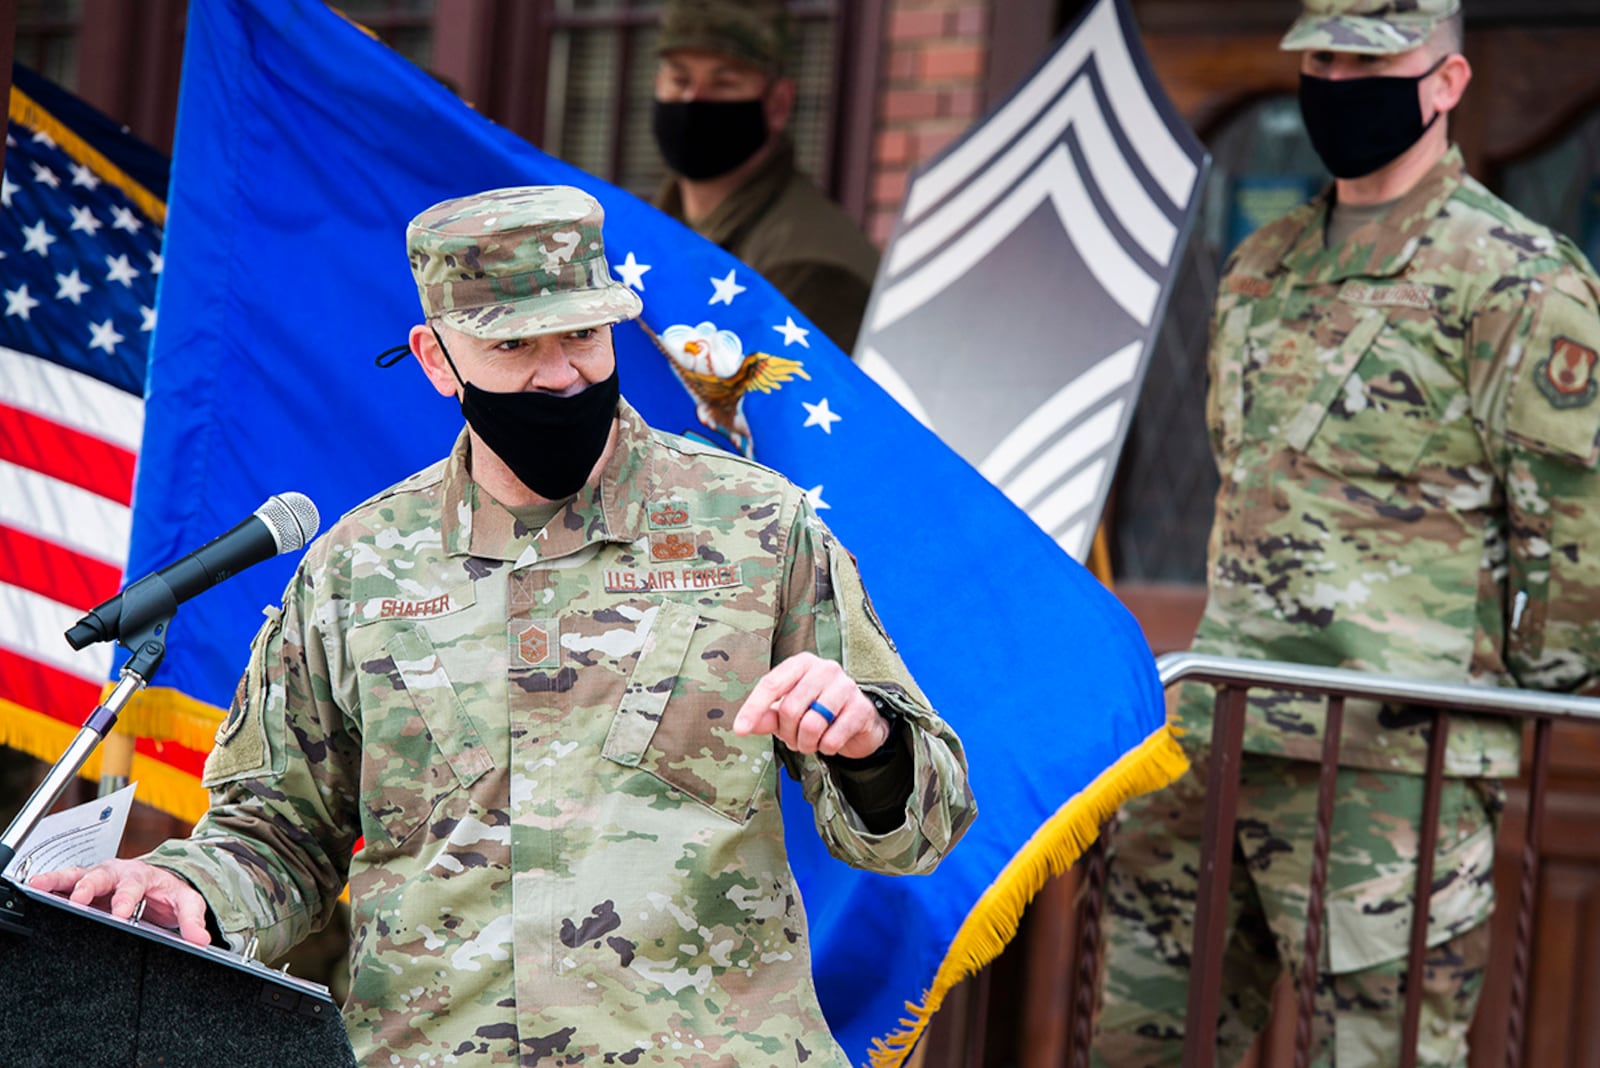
(303, 147)
(1061, 216)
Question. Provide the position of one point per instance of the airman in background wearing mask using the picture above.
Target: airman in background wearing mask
(1403, 410)
(723, 103)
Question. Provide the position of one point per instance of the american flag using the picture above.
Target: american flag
(80, 256)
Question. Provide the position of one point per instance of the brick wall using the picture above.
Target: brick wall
(931, 90)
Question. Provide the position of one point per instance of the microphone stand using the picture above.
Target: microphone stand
(155, 602)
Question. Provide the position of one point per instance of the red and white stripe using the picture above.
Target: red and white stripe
(68, 443)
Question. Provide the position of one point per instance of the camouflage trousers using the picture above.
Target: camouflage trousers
(1148, 925)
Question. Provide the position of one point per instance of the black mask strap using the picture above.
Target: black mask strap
(447, 358)
(1436, 112)
(389, 357)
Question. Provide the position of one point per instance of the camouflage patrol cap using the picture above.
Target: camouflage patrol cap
(1374, 27)
(516, 262)
(755, 31)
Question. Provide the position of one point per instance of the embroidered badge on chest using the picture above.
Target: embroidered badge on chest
(1566, 376)
(668, 547)
(668, 515)
(538, 643)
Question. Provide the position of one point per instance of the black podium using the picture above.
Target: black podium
(80, 987)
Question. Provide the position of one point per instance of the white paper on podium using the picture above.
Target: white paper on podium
(82, 835)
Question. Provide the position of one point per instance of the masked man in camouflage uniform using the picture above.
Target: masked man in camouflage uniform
(722, 106)
(1403, 411)
(549, 682)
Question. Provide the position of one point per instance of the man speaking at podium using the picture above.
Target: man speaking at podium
(556, 734)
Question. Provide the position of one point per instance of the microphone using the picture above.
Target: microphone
(283, 524)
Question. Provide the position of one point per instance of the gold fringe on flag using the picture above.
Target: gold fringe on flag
(168, 715)
(161, 785)
(992, 923)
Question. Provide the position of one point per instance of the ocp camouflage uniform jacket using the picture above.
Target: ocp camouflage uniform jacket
(569, 855)
(788, 230)
(1405, 428)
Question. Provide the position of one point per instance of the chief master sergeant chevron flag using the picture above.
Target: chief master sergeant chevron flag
(1062, 215)
(303, 147)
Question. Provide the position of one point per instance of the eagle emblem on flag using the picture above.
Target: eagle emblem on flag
(714, 368)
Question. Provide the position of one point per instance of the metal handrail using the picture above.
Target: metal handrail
(1234, 677)
(1227, 670)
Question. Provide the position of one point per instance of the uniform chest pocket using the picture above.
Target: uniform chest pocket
(675, 719)
(421, 747)
(1368, 415)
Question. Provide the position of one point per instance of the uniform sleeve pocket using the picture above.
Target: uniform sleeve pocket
(675, 719)
(1553, 407)
(412, 762)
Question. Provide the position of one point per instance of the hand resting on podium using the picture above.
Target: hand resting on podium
(119, 885)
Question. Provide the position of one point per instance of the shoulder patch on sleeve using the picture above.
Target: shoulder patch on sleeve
(869, 653)
(1555, 400)
(241, 749)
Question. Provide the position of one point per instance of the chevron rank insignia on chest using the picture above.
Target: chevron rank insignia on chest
(538, 642)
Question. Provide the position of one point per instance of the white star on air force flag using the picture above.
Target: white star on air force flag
(631, 271)
(793, 334)
(820, 414)
(725, 289)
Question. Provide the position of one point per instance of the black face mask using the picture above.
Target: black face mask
(1360, 125)
(703, 139)
(550, 443)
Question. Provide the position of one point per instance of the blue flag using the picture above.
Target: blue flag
(303, 147)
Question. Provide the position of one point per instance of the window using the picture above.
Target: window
(1560, 184)
(47, 39)
(601, 77)
(404, 25)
